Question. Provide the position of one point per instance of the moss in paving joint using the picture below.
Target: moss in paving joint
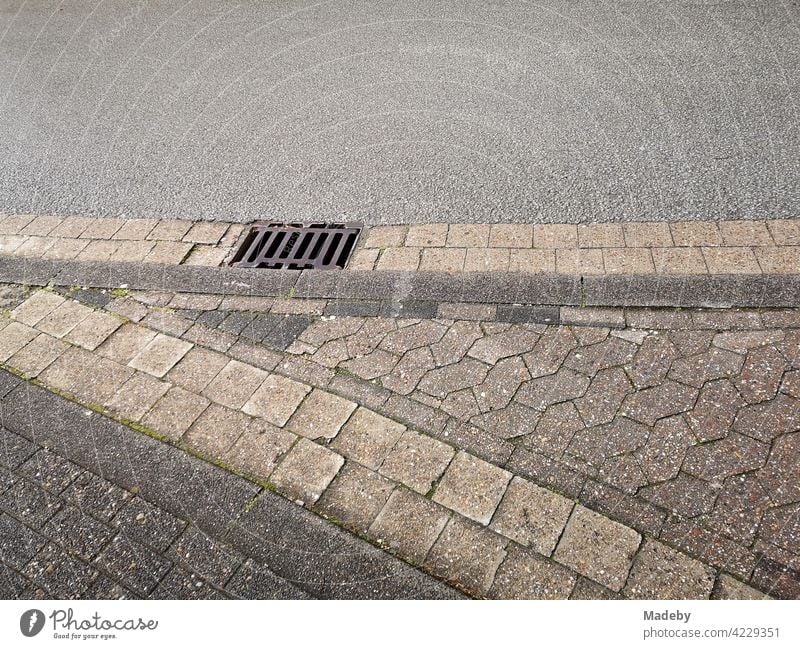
(120, 292)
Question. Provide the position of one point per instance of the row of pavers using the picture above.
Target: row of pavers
(684, 248)
(671, 511)
(460, 517)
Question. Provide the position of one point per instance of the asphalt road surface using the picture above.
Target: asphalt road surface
(401, 110)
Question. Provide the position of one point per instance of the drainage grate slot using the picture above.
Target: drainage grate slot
(298, 246)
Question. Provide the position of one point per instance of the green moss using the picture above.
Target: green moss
(120, 292)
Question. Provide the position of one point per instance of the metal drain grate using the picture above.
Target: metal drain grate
(296, 246)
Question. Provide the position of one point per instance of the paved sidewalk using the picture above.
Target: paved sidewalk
(92, 510)
(650, 454)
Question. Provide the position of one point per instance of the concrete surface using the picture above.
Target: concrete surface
(409, 111)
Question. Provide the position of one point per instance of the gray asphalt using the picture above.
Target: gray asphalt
(401, 111)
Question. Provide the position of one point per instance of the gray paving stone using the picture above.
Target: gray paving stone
(175, 412)
(598, 548)
(137, 395)
(417, 461)
(78, 532)
(235, 384)
(659, 572)
(276, 399)
(532, 516)
(142, 521)
(409, 524)
(355, 496)
(50, 471)
(527, 575)
(367, 438)
(133, 565)
(37, 355)
(321, 415)
(306, 471)
(95, 496)
(126, 343)
(160, 355)
(18, 543)
(206, 556)
(197, 369)
(216, 430)
(14, 450)
(467, 554)
(252, 581)
(259, 449)
(61, 575)
(472, 487)
(29, 502)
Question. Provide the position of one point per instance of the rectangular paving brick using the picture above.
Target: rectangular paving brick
(780, 261)
(427, 235)
(170, 230)
(136, 396)
(356, 496)
(526, 575)
(468, 235)
(399, 259)
(634, 261)
(276, 399)
(98, 250)
(36, 306)
(679, 261)
(63, 318)
(9, 243)
(202, 255)
(235, 384)
(409, 524)
(660, 572)
(597, 547)
(34, 247)
(134, 565)
(175, 412)
(555, 236)
(601, 235)
(207, 232)
(417, 461)
(126, 342)
(135, 229)
(41, 226)
(468, 555)
(367, 438)
(15, 336)
(580, 261)
(306, 471)
(14, 223)
(785, 232)
(483, 260)
(386, 236)
(37, 355)
(472, 487)
(321, 415)
(65, 249)
(445, 260)
(133, 250)
(216, 430)
(168, 252)
(647, 235)
(259, 449)
(731, 260)
(511, 235)
(102, 228)
(532, 516)
(160, 355)
(93, 330)
(531, 261)
(745, 233)
(196, 370)
(363, 259)
(695, 233)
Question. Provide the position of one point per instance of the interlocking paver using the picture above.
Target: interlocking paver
(526, 575)
(160, 355)
(235, 384)
(669, 398)
(306, 471)
(467, 554)
(729, 588)
(472, 487)
(684, 494)
(597, 547)
(532, 516)
(367, 438)
(660, 572)
(126, 342)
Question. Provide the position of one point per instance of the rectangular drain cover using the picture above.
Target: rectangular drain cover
(296, 246)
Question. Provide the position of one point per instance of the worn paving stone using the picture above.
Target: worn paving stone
(417, 461)
(126, 343)
(599, 442)
(276, 399)
(565, 385)
(209, 558)
(765, 421)
(742, 502)
(235, 384)
(14, 449)
(723, 458)
(501, 384)
(175, 412)
(604, 396)
(514, 421)
(216, 430)
(136, 396)
(652, 361)
(708, 366)
(716, 407)
(321, 415)
(30, 503)
(184, 585)
(779, 475)
(491, 349)
(93, 330)
(367, 438)
(467, 554)
(651, 404)
(532, 516)
(555, 429)
(472, 487)
(77, 532)
(781, 527)
(550, 351)
(160, 355)
(409, 524)
(659, 572)
(526, 575)
(306, 471)
(684, 494)
(591, 359)
(356, 496)
(19, 544)
(37, 355)
(623, 507)
(761, 374)
(50, 470)
(96, 496)
(375, 364)
(36, 307)
(145, 523)
(728, 587)
(15, 336)
(598, 548)
(60, 574)
(441, 381)
(197, 369)
(259, 449)
(662, 455)
(133, 565)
